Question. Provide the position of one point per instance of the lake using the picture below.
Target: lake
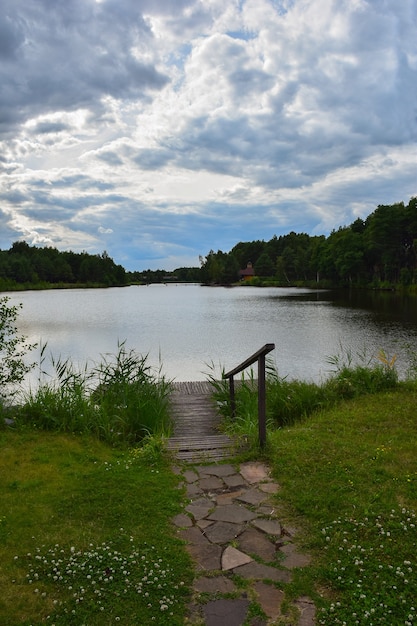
(188, 329)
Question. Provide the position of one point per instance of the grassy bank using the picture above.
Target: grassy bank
(349, 479)
(345, 455)
(85, 534)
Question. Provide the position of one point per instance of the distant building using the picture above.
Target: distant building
(247, 273)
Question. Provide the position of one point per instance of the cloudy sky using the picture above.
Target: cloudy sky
(160, 129)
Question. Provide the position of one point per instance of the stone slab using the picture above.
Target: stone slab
(270, 598)
(234, 480)
(190, 476)
(206, 556)
(307, 611)
(223, 532)
(226, 612)
(255, 542)
(216, 584)
(293, 558)
(204, 523)
(228, 497)
(252, 497)
(257, 571)
(199, 508)
(211, 483)
(193, 536)
(232, 558)
(232, 513)
(268, 526)
(193, 490)
(269, 487)
(182, 521)
(254, 472)
(217, 470)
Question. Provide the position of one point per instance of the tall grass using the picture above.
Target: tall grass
(291, 401)
(120, 399)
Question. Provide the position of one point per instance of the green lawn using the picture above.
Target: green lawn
(349, 479)
(85, 534)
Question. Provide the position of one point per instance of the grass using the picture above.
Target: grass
(344, 453)
(120, 400)
(349, 478)
(76, 542)
(85, 533)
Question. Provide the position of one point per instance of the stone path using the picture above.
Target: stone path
(231, 530)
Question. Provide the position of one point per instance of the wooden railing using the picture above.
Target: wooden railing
(260, 357)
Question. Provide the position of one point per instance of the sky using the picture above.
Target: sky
(158, 130)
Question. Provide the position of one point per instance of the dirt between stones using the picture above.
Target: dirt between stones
(230, 528)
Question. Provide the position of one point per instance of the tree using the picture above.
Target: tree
(13, 349)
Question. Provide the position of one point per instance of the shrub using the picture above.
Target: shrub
(13, 349)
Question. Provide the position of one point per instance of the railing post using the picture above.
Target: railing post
(232, 396)
(260, 357)
(261, 400)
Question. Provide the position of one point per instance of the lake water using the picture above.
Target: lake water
(189, 328)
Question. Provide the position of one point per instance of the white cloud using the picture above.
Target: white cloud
(180, 126)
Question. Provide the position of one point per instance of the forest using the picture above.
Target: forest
(378, 252)
(26, 266)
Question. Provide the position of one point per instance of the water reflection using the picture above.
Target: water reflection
(188, 327)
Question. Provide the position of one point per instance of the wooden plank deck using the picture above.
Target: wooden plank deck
(196, 436)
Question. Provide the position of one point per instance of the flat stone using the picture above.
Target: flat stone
(199, 508)
(255, 542)
(194, 536)
(217, 584)
(217, 470)
(232, 558)
(193, 490)
(266, 509)
(206, 556)
(254, 472)
(293, 558)
(182, 521)
(252, 497)
(211, 483)
(190, 476)
(231, 513)
(269, 487)
(223, 532)
(226, 612)
(258, 571)
(268, 526)
(204, 523)
(270, 598)
(228, 496)
(235, 480)
(307, 611)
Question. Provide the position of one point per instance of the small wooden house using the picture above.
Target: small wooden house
(247, 273)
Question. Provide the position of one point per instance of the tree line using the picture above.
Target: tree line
(379, 251)
(25, 265)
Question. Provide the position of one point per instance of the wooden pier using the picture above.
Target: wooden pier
(196, 436)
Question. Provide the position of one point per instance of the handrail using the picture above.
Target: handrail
(260, 357)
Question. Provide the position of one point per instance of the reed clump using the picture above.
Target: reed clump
(119, 400)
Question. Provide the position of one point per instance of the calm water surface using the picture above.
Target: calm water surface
(187, 328)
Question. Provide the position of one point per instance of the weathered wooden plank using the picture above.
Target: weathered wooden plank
(196, 420)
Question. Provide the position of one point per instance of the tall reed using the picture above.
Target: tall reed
(120, 399)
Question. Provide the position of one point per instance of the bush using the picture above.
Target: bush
(13, 349)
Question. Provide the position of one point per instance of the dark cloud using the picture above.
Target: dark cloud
(71, 55)
(164, 128)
